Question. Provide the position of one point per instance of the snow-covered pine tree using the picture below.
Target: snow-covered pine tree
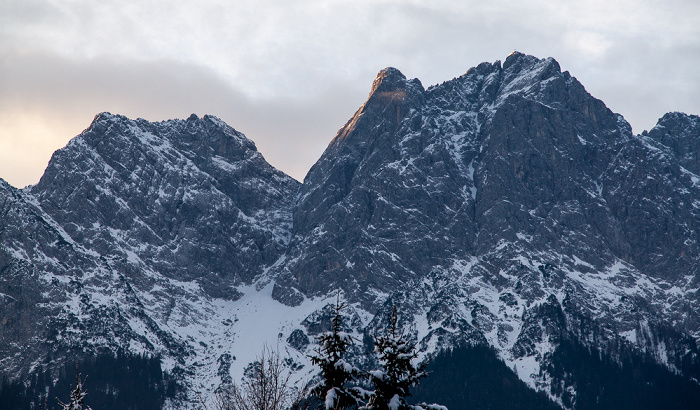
(397, 374)
(337, 373)
(77, 395)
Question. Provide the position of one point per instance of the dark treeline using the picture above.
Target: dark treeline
(465, 377)
(635, 381)
(474, 378)
(121, 381)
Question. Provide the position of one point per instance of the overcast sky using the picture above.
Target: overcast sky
(289, 73)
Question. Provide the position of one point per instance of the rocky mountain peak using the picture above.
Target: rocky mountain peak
(519, 62)
(680, 134)
(533, 78)
(388, 80)
(184, 187)
(517, 58)
(390, 91)
(205, 136)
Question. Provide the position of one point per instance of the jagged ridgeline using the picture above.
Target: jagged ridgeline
(521, 228)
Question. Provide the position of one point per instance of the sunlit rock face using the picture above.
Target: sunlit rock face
(505, 207)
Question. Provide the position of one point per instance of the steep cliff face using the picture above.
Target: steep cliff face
(179, 196)
(478, 202)
(678, 133)
(60, 298)
(505, 207)
(26, 236)
(418, 178)
(518, 154)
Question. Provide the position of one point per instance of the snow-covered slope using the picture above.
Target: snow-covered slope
(506, 207)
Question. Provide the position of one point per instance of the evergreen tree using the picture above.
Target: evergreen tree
(337, 373)
(77, 395)
(398, 374)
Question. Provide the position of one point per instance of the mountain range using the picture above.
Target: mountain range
(505, 209)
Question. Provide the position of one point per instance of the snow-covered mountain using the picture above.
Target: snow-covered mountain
(505, 207)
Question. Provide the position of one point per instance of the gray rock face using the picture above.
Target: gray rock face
(500, 197)
(506, 207)
(181, 196)
(679, 132)
(519, 154)
(49, 287)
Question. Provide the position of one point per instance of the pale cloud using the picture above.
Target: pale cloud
(289, 73)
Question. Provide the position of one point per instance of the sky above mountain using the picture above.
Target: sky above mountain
(289, 73)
